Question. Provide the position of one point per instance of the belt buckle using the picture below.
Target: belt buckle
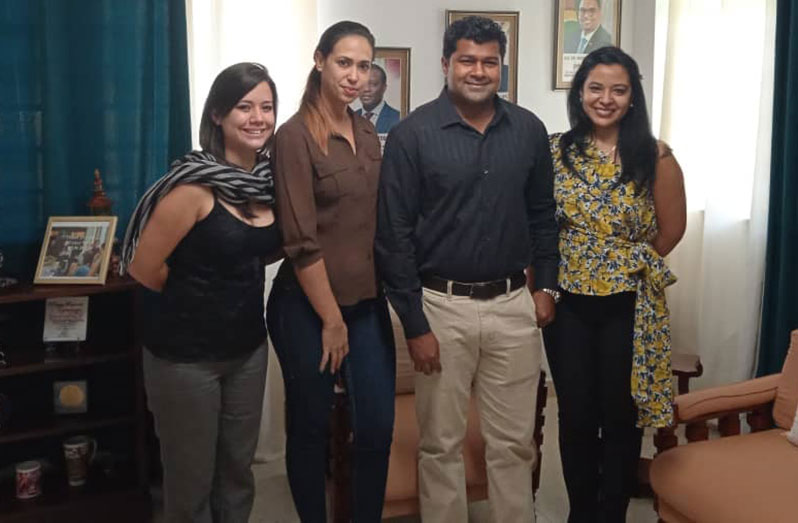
(480, 288)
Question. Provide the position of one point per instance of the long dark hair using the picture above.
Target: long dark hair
(228, 88)
(636, 147)
(314, 114)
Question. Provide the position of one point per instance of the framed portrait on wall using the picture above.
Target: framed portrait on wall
(76, 249)
(582, 26)
(386, 98)
(508, 20)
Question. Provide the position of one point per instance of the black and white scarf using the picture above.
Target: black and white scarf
(230, 183)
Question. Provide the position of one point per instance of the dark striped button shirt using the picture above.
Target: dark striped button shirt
(462, 205)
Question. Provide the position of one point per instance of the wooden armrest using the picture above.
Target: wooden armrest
(716, 401)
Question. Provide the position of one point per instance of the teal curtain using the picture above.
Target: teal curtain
(780, 307)
(85, 84)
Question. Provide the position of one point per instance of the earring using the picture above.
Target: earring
(318, 68)
(631, 104)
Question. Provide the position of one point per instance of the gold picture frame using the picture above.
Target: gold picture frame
(76, 250)
(568, 34)
(396, 61)
(508, 20)
(393, 64)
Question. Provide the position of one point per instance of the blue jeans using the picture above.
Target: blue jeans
(370, 373)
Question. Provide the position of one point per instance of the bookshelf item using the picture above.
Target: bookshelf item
(76, 250)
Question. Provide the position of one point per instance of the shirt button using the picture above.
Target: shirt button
(485, 172)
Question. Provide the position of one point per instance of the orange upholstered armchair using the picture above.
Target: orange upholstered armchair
(401, 493)
(736, 478)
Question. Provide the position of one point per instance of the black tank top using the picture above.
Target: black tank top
(211, 307)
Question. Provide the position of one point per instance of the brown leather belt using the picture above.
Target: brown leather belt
(478, 291)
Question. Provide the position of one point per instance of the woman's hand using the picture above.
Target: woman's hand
(334, 345)
(334, 336)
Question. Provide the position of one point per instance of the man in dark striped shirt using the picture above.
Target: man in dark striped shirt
(465, 204)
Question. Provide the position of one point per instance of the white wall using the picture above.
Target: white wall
(218, 37)
(419, 24)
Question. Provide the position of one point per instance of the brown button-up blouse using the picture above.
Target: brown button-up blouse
(327, 204)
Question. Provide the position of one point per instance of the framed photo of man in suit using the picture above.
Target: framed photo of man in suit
(508, 21)
(582, 27)
(386, 97)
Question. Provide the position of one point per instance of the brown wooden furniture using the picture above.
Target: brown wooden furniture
(401, 496)
(684, 367)
(738, 477)
(110, 363)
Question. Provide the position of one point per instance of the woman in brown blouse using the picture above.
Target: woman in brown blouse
(325, 313)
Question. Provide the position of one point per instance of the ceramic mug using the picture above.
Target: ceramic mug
(79, 452)
(29, 479)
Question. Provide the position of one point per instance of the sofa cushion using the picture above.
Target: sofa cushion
(738, 479)
(787, 393)
(402, 468)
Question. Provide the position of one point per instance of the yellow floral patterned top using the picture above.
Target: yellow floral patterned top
(605, 235)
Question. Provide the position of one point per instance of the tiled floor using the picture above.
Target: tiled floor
(273, 499)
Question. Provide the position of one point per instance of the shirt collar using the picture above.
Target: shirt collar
(377, 109)
(360, 125)
(448, 114)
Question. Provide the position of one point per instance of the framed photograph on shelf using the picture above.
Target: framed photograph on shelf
(508, 20)
(386, 98)
(76, 249)
(582, 26)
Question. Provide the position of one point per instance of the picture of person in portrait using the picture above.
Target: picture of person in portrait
(589, 34)
(374, 106)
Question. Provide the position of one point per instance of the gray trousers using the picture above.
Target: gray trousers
(207, 416)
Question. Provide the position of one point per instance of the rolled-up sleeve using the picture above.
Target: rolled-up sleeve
(296, 205)
(397, 214)
(543, 229)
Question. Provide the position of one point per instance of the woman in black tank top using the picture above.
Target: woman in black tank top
(200, 238)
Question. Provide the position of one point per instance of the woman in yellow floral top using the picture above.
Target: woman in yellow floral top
(621, 208)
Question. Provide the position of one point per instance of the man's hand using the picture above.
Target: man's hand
(544, 308)
(425, 352)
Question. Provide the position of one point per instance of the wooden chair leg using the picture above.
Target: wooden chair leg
(665, 439)
(729, 425)
(697, 431)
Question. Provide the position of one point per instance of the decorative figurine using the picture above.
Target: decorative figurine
(99, 204)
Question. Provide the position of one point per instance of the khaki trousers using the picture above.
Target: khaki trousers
(494, 347)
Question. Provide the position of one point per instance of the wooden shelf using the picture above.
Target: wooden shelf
(110, 357)
(23, 293)
(56, 426)
(117, 500)
(21, 362)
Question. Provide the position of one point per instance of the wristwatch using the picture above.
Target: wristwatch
(555, 295)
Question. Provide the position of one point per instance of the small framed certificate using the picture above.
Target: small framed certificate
(65, 319)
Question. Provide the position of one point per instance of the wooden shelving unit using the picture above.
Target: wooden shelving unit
(110, 363)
